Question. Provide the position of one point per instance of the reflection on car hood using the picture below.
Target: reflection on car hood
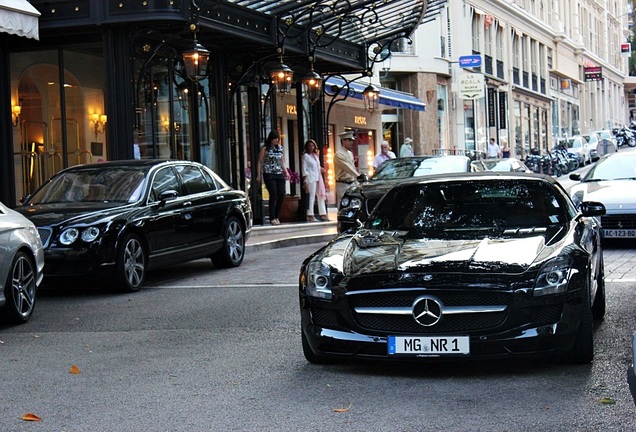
(379, 187)
(616, 195)
(55, 214)
(369, 252)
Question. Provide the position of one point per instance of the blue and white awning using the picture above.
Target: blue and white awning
(388, 96)
(18, 17)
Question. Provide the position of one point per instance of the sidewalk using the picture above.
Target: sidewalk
(264, 237)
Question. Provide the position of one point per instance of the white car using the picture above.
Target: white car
(577, 145)
(21, 266)
(612, 182)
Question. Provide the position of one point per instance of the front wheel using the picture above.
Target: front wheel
(130, 264)
(233, 250)
(582, 352)
(20, 290)
(631, 142)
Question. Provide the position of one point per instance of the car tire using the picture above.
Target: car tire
(232, 252)
(583, 350)
(310, 356)
(130, 263)
(20, 290)
(598, 307)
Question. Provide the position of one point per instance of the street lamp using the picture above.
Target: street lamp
(313, 85)
(196, 61)
(371, 96)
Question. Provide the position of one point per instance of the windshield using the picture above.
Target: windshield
(416, 167)
(471, 209)
(614, 167)
(93, 184)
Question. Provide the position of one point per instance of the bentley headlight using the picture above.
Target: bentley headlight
(69, 236)
(553, 277)
(355, 203)
(90, 234)
(319, 280)
(344, 202)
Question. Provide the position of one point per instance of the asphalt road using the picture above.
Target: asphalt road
(219, 350)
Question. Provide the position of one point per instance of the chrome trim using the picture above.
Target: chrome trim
(446, 310)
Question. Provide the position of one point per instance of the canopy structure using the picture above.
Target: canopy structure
(20, 18)
(388, 96)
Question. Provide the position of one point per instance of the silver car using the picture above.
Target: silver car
(21, 265)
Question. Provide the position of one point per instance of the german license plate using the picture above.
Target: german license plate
(619, 233)
(429, 346)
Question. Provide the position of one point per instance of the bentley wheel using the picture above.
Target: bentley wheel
(598, 307)
(233, 250)
(310, 356)
(583, 350)
(20, 290)
(130, 264)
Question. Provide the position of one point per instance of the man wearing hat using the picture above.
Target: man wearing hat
(344, 165)
(407, 148)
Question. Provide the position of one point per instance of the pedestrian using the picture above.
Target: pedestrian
(385, 154)
(271, 170)
(344, 165)
(505, 150)
(313, 182)
(407, 148)
(494, 151)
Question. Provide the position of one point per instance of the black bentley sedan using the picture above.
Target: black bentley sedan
(474, 265)
(121, 219)
(359, 200)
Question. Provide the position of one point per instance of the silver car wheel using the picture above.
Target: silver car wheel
(23, 286)
(235, 241)
(134, 262)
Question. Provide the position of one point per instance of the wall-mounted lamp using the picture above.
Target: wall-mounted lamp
(313, 86)
(371, 98)
(99, 123)
(282, 77)
(15, 114)
(183, 90)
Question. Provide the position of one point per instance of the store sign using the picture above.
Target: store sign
(291, 109)
(626, 49)
(361, 120)
(593, 73)
(471, 86)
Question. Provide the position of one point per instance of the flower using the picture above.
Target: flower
(293, 176)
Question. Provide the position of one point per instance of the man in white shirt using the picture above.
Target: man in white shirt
(494, 151)
(385, 154)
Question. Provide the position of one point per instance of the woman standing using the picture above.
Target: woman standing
(313, 182)
(271, 168)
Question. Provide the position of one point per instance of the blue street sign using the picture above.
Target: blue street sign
(470, 61)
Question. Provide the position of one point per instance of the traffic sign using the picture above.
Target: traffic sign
(470, 61)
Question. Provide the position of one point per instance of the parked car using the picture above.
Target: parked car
(631, 375)
(121, 219)
(474, 265)
(611, 181)
(21, 266)
(592, 139)
(501, 165)
(577, 145)
(359, 200)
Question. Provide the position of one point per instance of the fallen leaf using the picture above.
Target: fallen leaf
(74, 370)
(31, 417)
(607, 401)
(342, 410)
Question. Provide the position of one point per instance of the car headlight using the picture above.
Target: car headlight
(90, 234)
(553, 277)
(344, 202)
(319, 280)
(69, 236)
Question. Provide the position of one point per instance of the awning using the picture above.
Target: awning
(18, 17)
(388, 96)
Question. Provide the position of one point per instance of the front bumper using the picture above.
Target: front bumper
(333, 333)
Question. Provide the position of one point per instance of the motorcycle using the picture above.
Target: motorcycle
(625, 136)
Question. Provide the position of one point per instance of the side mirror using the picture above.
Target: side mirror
(592, 208)
(362, 178)
(168, 194)
(575, 176)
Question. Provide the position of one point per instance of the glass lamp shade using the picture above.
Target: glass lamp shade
(313, 86)
(282, 78)
(196, 61)
(371, 98)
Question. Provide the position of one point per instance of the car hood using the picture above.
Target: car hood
(57, 214)
(372, 252)
(616, 195)
(377, 188)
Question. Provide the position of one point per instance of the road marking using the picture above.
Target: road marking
(264, 285)
(620, 280)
